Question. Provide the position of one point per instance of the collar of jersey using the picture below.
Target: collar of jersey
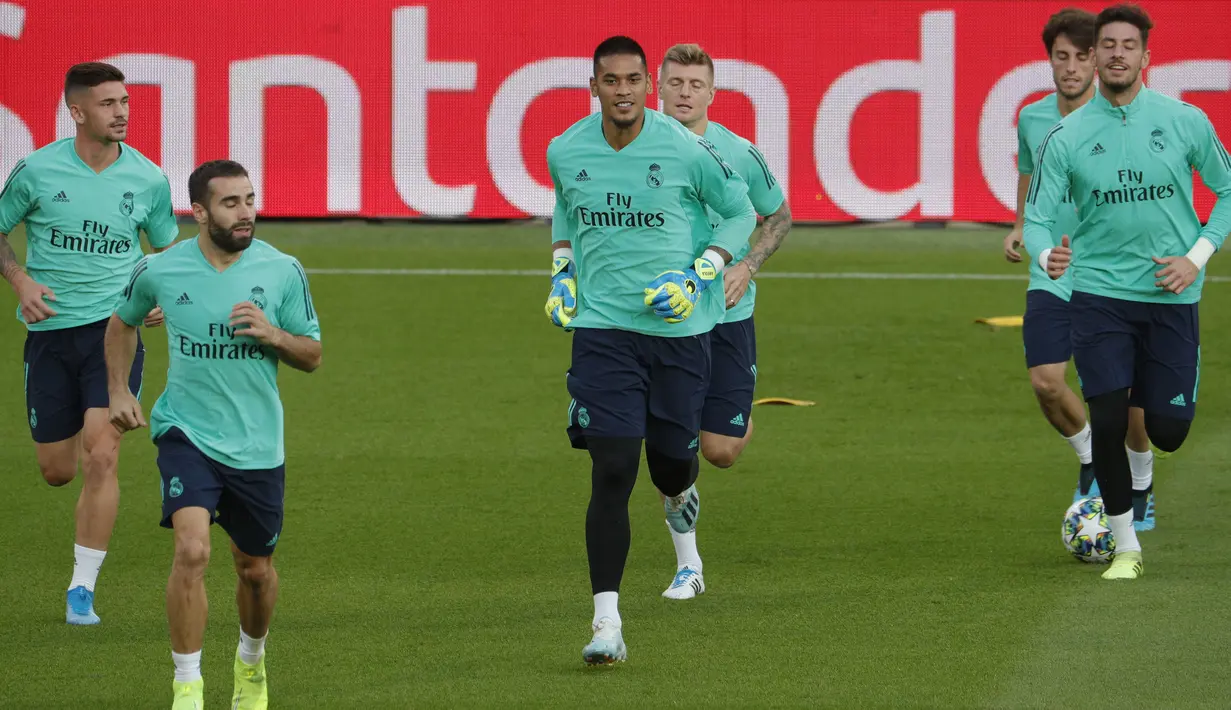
(72, 148)
(1130, 109)
(196, 246)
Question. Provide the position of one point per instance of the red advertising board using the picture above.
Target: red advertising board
(868, 109)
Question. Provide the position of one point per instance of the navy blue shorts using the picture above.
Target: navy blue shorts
(247, 503)
(733, 378)
(1153, 348)
(1046, 329)
(66, 374)
(626, 384)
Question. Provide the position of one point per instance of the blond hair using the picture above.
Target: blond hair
(689, 55)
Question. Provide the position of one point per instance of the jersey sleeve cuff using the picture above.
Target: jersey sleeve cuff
(1201, 252)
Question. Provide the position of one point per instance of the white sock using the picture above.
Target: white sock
(187, 666)
(686, 554)
(1141, 463)
(250, 649)
(1081, 443)
(1123, 533)
(85, 567)
(605, 604)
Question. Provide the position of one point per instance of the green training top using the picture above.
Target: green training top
(222, 388)
(763, 190)
(82, 227)
(1033, 124)
(634, 213)
(1129, 170)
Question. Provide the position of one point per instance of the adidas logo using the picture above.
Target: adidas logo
(582, 177)
(738, 420)
(60, 197)
(1098, 149)
(1178, 401)
(183, 300)
(695, 584)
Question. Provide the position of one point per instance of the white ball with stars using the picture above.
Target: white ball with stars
(1085, 532)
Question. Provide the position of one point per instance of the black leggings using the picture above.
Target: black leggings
(615, 462)
(1108, 429)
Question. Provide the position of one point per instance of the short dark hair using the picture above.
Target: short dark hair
(87, 75)
(1076, 24)
(618, 45)
(198, 182)
(1132, 14)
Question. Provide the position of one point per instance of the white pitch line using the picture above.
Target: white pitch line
(852, 275)
(794, 275)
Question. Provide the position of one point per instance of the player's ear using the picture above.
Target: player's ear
(593, 87)
(1145, 59)
(78, 115)
(199, 213)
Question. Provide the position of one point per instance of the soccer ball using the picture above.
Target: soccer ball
(1086, 533)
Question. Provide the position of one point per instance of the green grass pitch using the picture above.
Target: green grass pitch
(897, 545)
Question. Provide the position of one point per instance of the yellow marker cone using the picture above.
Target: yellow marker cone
(1001, 321)
(784, 400)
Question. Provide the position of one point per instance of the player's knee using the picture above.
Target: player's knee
(100, 462)
(58, 473)
(721, 455)
(192, 554)
(58, 462)
(671, 476)
(1048, 386)
(616, 461)
(1167, 433)
(721, 451)
(255, 572)
(1109, 415)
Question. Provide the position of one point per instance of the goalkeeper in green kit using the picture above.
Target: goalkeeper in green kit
(637, 277)
(1137, 257)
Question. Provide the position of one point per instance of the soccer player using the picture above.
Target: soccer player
(84, 200)
(686, 86)
(641, 298)
(234, 308)
(1137, 256)
(1069, 39)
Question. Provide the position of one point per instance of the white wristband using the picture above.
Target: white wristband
(566, 252)
(1201, 252)
(716, 259)
(1043, 258)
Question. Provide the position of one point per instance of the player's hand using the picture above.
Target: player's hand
(154, 318)
(561, 305)
(1177, 274)
(125, 411)
(674, 293)
(735, 282)
(1011, 242)
(250, 320)
(1059, 258)
(30, 296)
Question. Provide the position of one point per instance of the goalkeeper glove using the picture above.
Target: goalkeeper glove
(562, 301)
(674, 293)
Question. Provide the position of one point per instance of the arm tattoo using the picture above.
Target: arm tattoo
(8, 260)
(773, 232)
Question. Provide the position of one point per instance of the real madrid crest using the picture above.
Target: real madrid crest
(1156, 141)
(126, 205)
(258, 297)
(655, 178)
